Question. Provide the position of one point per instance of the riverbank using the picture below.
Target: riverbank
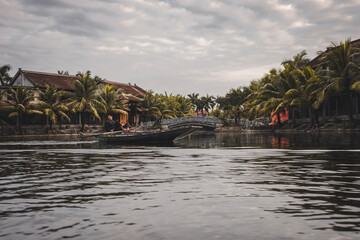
(90, 133)
(49, 137)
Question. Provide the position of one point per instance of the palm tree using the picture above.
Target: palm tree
(163, 109)
(304, 93)
(19, 101)
(149, 103)
(51, 106)
(109, 101)
(4, 74)
(208, 102)
(235, 100)
(184, 107)
(84, 98)
(194, 98)
(201, 103)
(290, 87)
(292, 84)
(343, 71)
(62, 72)
(269, 97)
(252, 100)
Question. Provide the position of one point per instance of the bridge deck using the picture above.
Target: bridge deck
(182, 121)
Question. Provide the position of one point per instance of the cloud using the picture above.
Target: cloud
(173, 45)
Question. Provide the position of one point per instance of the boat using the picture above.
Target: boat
(146, 137)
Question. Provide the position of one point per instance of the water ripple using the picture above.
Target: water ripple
(179, 193)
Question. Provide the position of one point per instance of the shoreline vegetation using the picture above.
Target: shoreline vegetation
(322, 94)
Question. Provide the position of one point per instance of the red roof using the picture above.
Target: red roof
(39, 79)
(126, 88)
(201, 112)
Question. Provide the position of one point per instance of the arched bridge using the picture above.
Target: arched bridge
(205, 122)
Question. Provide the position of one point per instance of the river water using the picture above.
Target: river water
(207, 186)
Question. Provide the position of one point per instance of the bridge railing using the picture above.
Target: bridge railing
(184, 120)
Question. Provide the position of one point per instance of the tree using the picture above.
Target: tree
(4, 74)
(343, 71)
(304, 94)
(62, 72)
(84, 98)
(150, 101)
(163, 109)
(51, 105)
(293, 83)
(207, 102)
(19, 101)
(269, 96)
(109, 101)
(197, 103)
(183, 106)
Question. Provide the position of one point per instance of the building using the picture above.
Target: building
(337, 106)
(38, 81)
(133, 95)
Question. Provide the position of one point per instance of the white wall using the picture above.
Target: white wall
(22, 81)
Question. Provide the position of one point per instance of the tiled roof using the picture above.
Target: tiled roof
(40, 79)
(64, 82)
(126, 88)
(132, 98)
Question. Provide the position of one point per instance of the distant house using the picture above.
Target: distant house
(201, 113)
(38, 81)
(284, 116)
(133, 94)
(319, 62)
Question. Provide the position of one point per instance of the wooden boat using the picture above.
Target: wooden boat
(146, 137)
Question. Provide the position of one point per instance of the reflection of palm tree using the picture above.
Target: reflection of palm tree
(343, 71)
(84, 97)
(50, 104)
(109, 101)
(19, 100)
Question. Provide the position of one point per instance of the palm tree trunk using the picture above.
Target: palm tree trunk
(350, 110)
(103, 119)
(47, 122)
(278, 118)
(82, 122)
(293, 119)
(18, 123)
(314, 118)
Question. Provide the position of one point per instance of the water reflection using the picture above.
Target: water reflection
(272, 140)
(208, 186)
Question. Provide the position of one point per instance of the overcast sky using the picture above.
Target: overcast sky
(178, 46)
